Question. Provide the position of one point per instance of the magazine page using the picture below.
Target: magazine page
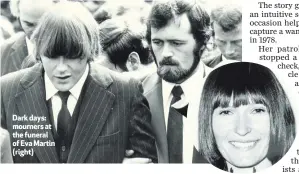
(269, 31)
(143, 86)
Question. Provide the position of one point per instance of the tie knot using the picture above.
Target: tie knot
(177, 91)
(64, 96)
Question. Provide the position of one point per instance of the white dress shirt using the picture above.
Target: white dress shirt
(192, 88)
(30, 46)
(75, 91)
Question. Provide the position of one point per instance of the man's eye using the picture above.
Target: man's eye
(29, 24)
(220, 41)
(238, 42)
(157, 42)
(177, 43)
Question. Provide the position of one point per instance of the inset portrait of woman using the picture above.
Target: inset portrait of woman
(246, 122)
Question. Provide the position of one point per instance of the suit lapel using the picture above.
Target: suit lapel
(154, 96)
(30, 102)
(96, 106)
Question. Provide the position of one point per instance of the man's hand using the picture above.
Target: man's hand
(128, 160)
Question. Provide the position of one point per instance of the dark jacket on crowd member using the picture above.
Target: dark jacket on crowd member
(112, 116)
(14, 54)
(212, 63)
(153, 93)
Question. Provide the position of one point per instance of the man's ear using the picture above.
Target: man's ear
(133, 63)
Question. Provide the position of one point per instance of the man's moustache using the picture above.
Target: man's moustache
(168, 62)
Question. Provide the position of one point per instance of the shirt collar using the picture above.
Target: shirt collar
(224, 62)
(224, 58)
(75, 90)
(29, 46)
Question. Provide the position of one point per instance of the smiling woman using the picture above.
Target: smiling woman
(246, 121)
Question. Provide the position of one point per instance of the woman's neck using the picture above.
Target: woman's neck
(260, 166)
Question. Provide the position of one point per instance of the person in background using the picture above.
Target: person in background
(227, 32)
(93, 6)
(125, 48)
(6, 29)
(246, 120)
(16, 52)
(95, 113)
(135, 9)
(6, 13)
(211, 56)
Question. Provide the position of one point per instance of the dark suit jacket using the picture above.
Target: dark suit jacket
(153, 93)
(5, 146)
(114, 116)
(14, 54)
(214, 62)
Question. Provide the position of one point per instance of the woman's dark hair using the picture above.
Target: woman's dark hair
(247, 82)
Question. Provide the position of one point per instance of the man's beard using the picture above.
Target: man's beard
(177, 74)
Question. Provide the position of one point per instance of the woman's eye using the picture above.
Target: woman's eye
(258, 110)
(225, 112)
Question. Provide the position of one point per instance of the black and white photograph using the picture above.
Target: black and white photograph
(246, 120)
(138, 82)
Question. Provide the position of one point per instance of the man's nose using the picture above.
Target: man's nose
(229, 49)
(242, 125)
(167, 51)
(62, 66)
(30, 31)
